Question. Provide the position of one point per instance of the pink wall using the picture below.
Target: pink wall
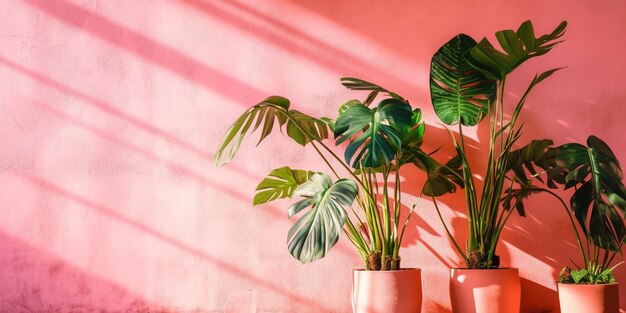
(111, 110)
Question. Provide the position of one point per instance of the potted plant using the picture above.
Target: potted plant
(381, 141)
(598, 207)
(467, 84)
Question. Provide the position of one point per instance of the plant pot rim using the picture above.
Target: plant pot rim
(408, 269)
(588, 285)
(483, 269)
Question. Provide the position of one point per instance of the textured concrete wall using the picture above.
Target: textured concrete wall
(110, 112)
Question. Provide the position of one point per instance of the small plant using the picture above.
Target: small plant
(467, 84)
(381, 140)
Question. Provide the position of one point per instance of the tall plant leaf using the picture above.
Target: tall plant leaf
(317, 231)
(596, 174)
(375, 134)
(280, 183)
(518, 46)
(359, 84)
(460, 94)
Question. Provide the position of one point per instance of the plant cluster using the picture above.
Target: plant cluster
(467, 85)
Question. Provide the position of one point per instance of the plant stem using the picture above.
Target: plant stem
(456, 245)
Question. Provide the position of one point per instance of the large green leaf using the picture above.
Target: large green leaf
(300, 127)
(375, 134)
(280, 183)
(595, 173)
(460, 94)
(312, 236)
(518, 47)
(538, 153)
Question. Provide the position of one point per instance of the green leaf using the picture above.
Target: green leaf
(579, 275)
(414, 136)
(596, 174)
(280, 183)
(359, 84)
(375, 134)
(303, 128)
(460, 94)
(536, 153)
(348, 104)
(518, 47)
(317, 231)
(441, 179)
(264, 113)
(606, 277)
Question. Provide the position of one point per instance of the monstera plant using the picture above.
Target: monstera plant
(596, 209)
(378, 141)
(598, 205)
(467, 84)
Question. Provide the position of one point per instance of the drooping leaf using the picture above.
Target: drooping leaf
(597, 176)
(441, 178)
(518, 46)
(264, 113)
(303, 128)
(280, 183)
(359, 84)
(459, 93)
(375, 134)
(317, 231)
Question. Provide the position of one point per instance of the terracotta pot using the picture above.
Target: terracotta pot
(589, 298)
(485, 291)
(387, 291)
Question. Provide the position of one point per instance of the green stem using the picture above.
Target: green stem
(456, 245)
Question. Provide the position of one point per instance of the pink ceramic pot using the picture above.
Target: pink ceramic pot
(589, 298)
(387, 291)
(485, 291)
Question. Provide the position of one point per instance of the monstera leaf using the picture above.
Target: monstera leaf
(318, 230)
(415, 135)
(517, 46)
(375, 134)
(300, 127)
(460, 94)
(280, 183)
(597, 177)
(538, 153)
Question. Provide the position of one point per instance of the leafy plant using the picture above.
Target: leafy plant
(467, 83)
(380, 139)
(597, 205)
